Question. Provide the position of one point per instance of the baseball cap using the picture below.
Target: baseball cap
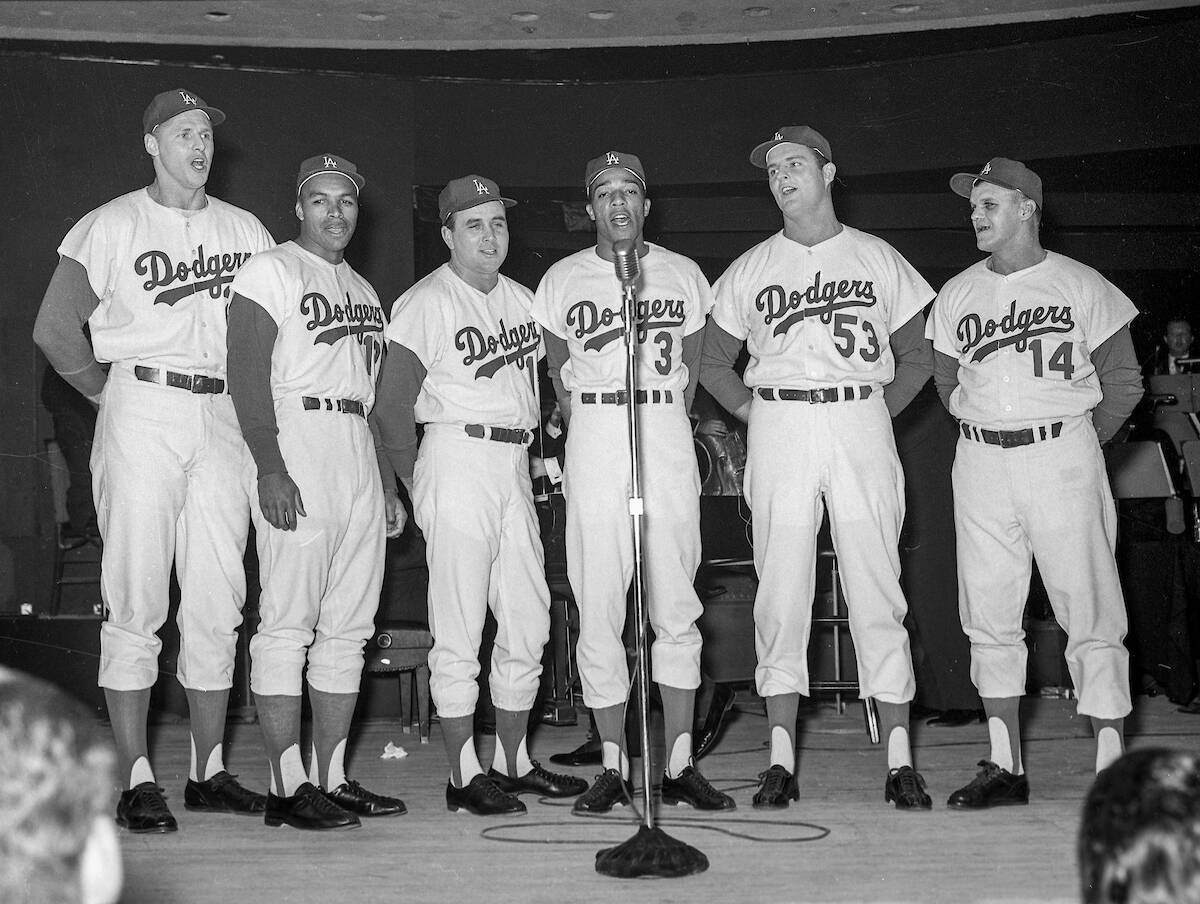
(1005, 173)
(329, 163)
(801, 135)
(609, 160)
(172, 103)
(467, 192)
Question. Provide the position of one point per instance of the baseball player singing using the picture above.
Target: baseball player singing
(579, 305)
(305, 349)
(149, 272)
(831, 318)
(462, 360)
(1033, 356)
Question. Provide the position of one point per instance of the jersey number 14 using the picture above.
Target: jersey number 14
(1060, 359)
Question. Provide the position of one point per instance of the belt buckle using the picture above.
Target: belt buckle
(1011, 439)
(817, 396)
(200, 383)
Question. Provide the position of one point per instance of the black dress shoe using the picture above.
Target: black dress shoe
(992, 787)
(906, 787)
(308, 808)
(483, 797)
(354, 798)
(953, 718)
(221, 793)
(143, 809)
(539, 781)
(693, 789)
(718, 709)
(606, 792)
(776, 787)
(586, 754)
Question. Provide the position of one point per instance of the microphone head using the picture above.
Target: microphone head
(625, 260)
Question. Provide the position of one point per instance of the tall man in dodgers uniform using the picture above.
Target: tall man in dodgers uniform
(1034, 358)
(305, 349)
(149, 273)
(832, 320)
(579, 306)
(462, 360)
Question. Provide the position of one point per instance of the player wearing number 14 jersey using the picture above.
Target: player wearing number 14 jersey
(1034, 357)
(832, 320)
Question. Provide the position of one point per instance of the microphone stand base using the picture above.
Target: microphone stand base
(649, 854)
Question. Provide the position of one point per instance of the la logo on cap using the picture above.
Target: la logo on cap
(778, 136)
(187, 98)
(480, 188)
(612, 159)
(987, 168)
(330, 163)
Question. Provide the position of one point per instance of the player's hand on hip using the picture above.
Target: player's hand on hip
(394, 512)
(279, 498)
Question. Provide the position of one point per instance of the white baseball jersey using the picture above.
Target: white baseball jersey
(166, 461)
(162, 276)
(320, 581)
(472, 496)
(1024, 341)
(819, 316)
(579, 300)
(330, 324)
(466, 340)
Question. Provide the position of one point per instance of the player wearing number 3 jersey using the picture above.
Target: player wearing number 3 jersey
(579, 304)
(832, 320)
(1034, 357)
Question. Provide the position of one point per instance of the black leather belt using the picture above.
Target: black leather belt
(346, 406)
(1010, 439)
(620, 397)
(514, 435)
(817, 396)
(190, 382)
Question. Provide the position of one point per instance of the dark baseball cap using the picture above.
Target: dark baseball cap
(804, 136)
(467, 192)
(329, 163)
(613, 160)
(172, 103)
(1003, 172)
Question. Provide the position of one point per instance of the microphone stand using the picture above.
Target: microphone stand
(651, 852)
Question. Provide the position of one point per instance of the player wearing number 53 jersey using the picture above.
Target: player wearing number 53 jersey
(305, 346)
(579, 304)
(1034, 357)
(832, 320)
(149, 273)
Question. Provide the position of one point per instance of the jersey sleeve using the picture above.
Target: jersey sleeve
(93, 242)
(264, 281)
(729, 312)
(702, 293)
(1107, 307)
(910, 292)
(417, 323)
(546, 310)
(938, 329)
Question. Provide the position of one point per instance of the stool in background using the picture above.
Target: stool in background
(403, 647)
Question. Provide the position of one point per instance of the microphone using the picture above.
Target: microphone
(625, 260)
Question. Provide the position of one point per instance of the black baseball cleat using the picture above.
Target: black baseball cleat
(308, 808)
(776, 787)
(608, 791)
(906, 787)
(221, 793)
(991, 787)
(714, 721)
(539, 781)
(354, 798)
(483, 797)
(693, 789)
(143, 809)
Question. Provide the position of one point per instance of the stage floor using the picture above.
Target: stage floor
(841, 842)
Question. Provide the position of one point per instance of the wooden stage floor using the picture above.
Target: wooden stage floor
(841, 842)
